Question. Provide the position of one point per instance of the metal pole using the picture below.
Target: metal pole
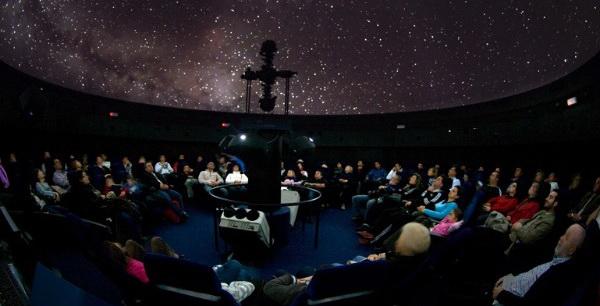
(287, 96)
(248, 92)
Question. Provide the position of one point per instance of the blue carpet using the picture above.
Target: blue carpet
(337, 242)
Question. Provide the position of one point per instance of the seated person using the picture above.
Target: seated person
(236, 176)
(186, 180)
(528, 207)
(376, 176)
(409, 251)
(319, 183)
(290, 179)
(210, 178)
(361, 203)
(118, 256)
(389, 221)
(589, 203)
(442, 209)
(502, 204)
(43, 190)
(163, 167)
(59, 177)
(450, 223)
(553, 275)
(539, 226)
(156, 185)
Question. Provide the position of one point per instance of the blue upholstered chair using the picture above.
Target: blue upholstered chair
(345, 285)
(181, 282)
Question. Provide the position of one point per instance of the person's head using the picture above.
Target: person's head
(76, 165)
(455, 215)
(454, 194)
(104, 157)
(420, 166)
(397, 166)
(539, 176)
(291, 173)
(99, 160)
(12, 157)
(597, 185)
(377, 165)
(518, 172)
(551, 200)
(438, 183)
(82, 178)
(348, 169)
(551, 177)
(159, 246)
(235, 168)
(162, 158)
(494, 178)
(570, 241)
(318, 174)
(125, 160)
(109, 181)
(47, 155)
(533, 190)
(142, 160)
(300, 166)
(339, 165)
(199, 158)
(415, 180)
(39, 175)
(395, 180)
(134, 250)
(181, 156)
(210, 166)
(115, 253)
(414, 240)
(432, 172)
(511, 190)
(222, 160)
(359, 163)
(58, 166)
(148, 167)
(187, 170)
(452, 171)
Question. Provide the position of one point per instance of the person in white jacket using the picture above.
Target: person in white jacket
(236, 177)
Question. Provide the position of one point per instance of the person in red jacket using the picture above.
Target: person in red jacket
(504, 203)
(527, 208)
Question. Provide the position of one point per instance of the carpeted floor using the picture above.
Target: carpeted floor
(337, 242)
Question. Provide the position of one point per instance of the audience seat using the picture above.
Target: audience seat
(353, 284)
(181, 282)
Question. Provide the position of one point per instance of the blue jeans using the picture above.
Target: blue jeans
(233, 270)
(168, 196)
(361, 204)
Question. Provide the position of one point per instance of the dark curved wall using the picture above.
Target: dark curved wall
(535, 127)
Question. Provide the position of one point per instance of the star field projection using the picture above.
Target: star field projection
(352, 57)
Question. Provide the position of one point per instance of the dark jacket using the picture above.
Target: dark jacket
(283, 290)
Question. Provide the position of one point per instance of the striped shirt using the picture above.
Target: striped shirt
(520, 284)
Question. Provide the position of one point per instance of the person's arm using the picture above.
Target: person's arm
(44, 192)
(202, 179)
(169, 168)
(534, 231)
(390, 174)
(219, 178)
(282, 289)
(157, 167)
(440, 213)
(244, 179)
